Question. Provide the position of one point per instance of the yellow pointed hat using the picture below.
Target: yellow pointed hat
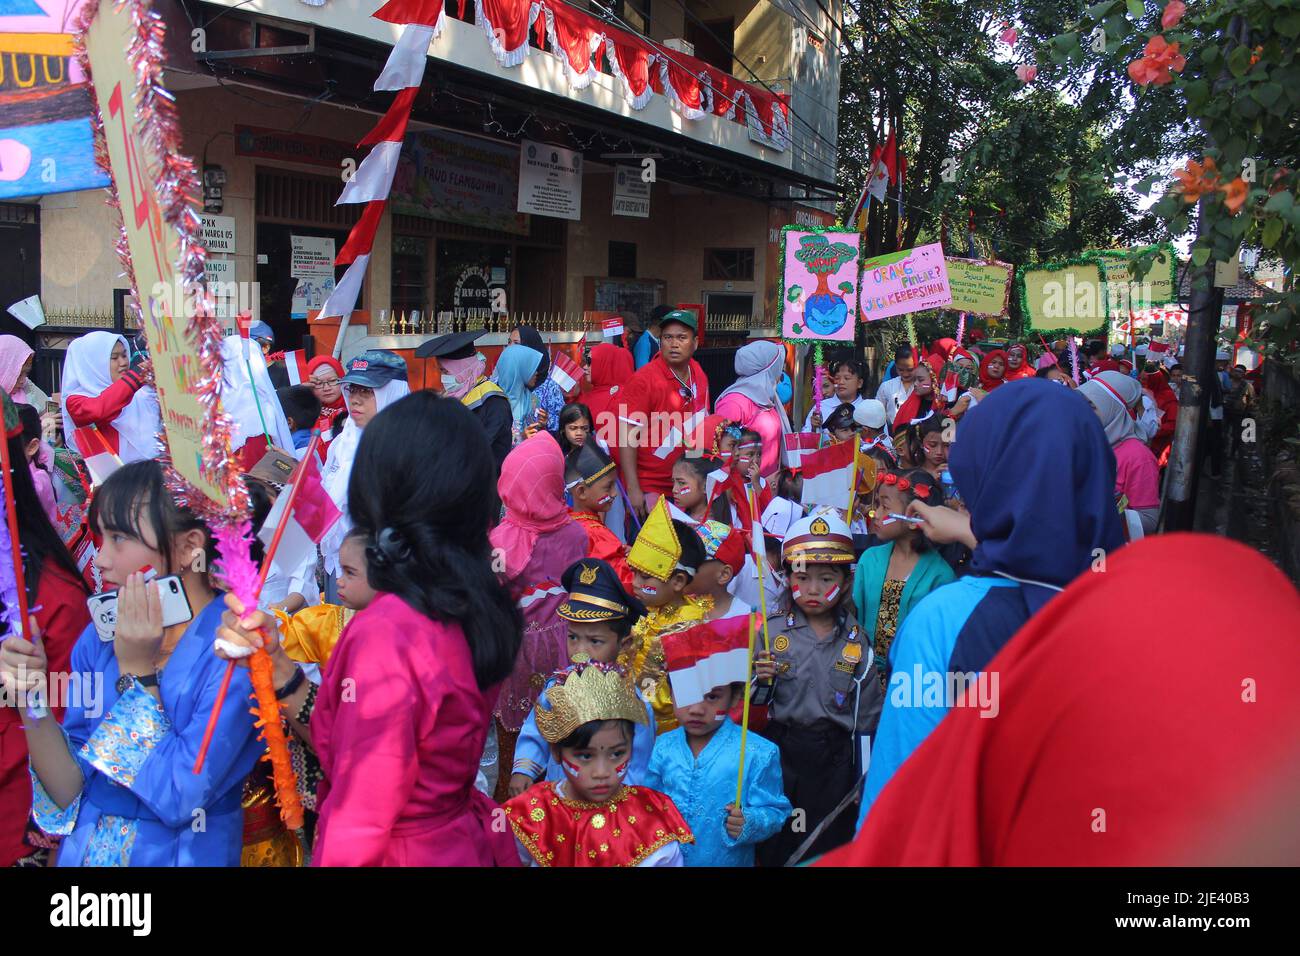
(657, 548)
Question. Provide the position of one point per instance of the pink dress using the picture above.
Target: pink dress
(399, 728)
(1137, 474)
(766, 421)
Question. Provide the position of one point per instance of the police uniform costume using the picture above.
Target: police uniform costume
(825, 699)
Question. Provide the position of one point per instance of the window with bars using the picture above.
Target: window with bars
(734, 265)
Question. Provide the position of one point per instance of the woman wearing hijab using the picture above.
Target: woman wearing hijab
(251, 403)
(15, 365)
(104, 391)
(1166, 401)
(538, 540)
(1117, 400)
(374, 380)
(960, 391)
(1132, 721)
(611, 367)
(921, 404)
(517, 375)
(1018, 366)
(1031, 466)
(547, 392)
(993, 369)
(325, 375)
(752, 400)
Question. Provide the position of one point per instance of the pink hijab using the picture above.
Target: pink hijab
(531, 487)
(13, 353)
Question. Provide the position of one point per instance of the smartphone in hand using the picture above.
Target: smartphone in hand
(175, 607)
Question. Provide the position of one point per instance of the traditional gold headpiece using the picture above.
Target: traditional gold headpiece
(657, 549)
(587, 691)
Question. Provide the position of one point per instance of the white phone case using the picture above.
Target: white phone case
(175, 607)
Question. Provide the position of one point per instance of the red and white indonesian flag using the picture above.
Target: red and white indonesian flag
(565, 372)
(540, 592)
(314, 513)
(98, 456)
(798, 445)
(828, 476)
(245, 323)
(706, 656)
(295, 363)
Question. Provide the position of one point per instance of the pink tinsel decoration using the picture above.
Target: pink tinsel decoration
(1074, 359)
(961, 327)
(235, 565)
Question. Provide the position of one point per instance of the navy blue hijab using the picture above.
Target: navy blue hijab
(1032, 463)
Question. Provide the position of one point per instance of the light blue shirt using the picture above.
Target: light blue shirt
(701, 787)
(641, 354)
(916, 700)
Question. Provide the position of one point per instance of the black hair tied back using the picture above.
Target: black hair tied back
(423, 490)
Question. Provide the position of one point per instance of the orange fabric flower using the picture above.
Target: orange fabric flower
(1197, 179)
(1234, 195)
(1174, 11)
(1158, 59)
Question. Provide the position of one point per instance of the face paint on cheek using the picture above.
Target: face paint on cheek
(832, 594)
(795, 592)
(570, 768)
(622, 768)
(649, 590)
(608, 499)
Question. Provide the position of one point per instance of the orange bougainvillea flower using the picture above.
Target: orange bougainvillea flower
(1157, 60)
(1197, 179)
(1254, 57)
(1174, 11)
(1234, 195)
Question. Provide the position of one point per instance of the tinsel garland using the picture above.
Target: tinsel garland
(241, 577)
(961, 327)
(1084, 259)
(912, 340)
(1074, 360)
(781, 301)
(175, 183)
(10, 614)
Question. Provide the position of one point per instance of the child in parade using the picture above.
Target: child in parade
(664, 559)
(116, 780)
(592, 817)
(576, 427)
(826, 699)
(724, 551)
(538, 540)
(104, 388)
(301, 410)
(600, 614)
(690, 484)
(591, 481)
(698, 764)
(893, 576)
(839, 425)
(734, 484)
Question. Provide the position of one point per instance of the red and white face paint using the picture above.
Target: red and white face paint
(606, 500)
(832, 595)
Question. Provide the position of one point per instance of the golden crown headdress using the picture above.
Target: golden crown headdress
(587, 691)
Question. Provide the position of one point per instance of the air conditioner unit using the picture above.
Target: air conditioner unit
(680, 45)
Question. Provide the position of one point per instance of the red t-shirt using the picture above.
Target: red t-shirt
(654, 401)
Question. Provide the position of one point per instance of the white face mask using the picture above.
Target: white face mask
(450, 383)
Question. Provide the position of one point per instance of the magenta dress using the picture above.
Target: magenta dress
(399, 728)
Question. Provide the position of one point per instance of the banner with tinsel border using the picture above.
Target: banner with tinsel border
(825, 258)
(980, 286)
(1159, 286)
(1063, 298)
(120, 46)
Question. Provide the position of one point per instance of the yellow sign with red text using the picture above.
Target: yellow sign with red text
(154, 245)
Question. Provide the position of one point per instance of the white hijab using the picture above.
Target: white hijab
(338, 470)
(240, 403)
(759, 366)
(85, 372)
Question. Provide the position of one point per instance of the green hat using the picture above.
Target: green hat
(683, 317)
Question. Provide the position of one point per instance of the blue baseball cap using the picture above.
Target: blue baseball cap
(260, 330)
(374, 368)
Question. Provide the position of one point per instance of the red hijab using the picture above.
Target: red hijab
(1099, 711)
(325, 421)
(1025, 370)
(987, 381)
(611, 367)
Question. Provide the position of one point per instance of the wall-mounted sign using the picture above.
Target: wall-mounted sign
(459, 179)
(550, 181)
(219, 234)
(311, 262)
(631, 195)
(262, 143)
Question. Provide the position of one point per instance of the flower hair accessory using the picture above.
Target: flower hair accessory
(889, 478)
(921, 491)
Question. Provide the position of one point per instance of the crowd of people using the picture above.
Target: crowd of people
(513, 608)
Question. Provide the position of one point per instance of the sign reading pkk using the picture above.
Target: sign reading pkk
(819, 296)
(152, 239)
(902, 282)
(550, 180)
(980, 287)
(1065, 297)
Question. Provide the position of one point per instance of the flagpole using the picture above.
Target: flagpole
(744, 716)
(248, 364)
(261, 582)
(756, 525)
